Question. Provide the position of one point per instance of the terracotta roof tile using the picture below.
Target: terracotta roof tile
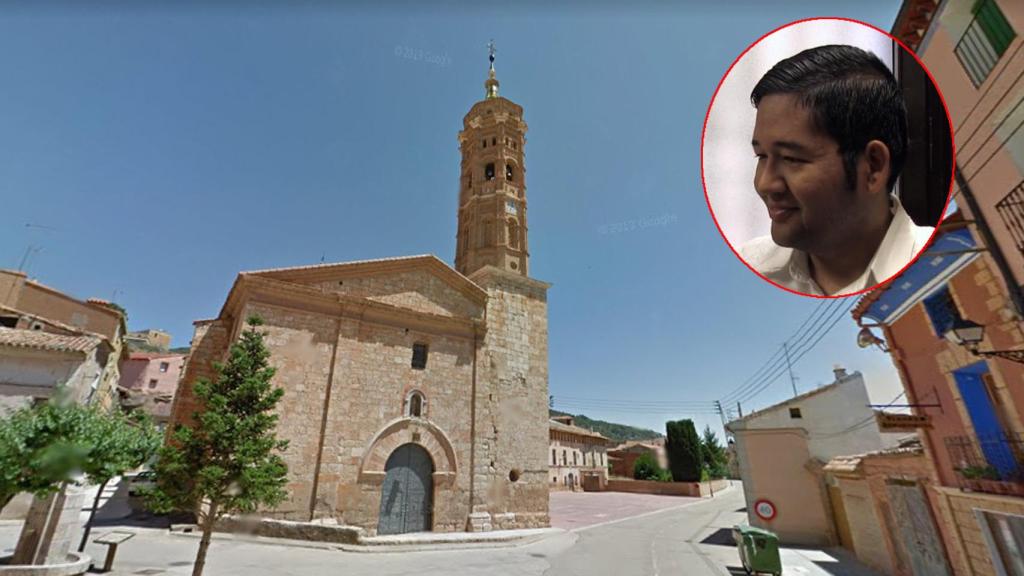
(39, 340)
(555, 425)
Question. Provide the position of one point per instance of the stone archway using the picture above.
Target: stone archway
(406, 498)
(404, 431)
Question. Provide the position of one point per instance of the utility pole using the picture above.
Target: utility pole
(718, 408)
(789, 367)
(739, 408)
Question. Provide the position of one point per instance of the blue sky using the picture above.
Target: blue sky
(157, 151)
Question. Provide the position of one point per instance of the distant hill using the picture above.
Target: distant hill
(617, 432)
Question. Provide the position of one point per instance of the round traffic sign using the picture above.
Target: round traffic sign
(764, 509)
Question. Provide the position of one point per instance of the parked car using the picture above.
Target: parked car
(140, 482)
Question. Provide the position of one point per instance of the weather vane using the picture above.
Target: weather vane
(492, 50)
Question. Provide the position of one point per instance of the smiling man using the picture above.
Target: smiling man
(830, 140)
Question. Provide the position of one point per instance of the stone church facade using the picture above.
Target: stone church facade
(416, 395)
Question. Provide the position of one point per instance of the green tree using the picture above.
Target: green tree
(49, 444)
(226, 461)
(683, 448)
(713, 455)
(645, 467)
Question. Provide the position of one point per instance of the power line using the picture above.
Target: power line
(796, 340)
(836, 315)
(636, 402)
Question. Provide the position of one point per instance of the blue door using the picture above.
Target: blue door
(987, 427)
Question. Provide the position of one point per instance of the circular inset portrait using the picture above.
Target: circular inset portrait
(827, 157)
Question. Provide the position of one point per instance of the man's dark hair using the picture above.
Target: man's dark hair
(853, 97)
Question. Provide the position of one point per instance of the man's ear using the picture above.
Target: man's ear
(876, 162)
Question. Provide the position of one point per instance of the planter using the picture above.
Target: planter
(76, 564)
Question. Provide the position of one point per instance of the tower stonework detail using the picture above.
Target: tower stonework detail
(492, 226)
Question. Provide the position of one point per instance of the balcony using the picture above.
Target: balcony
(988, 464)
(1011, 210)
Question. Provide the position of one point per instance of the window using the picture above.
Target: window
(415, 404)
(164, 366)
(488, 233)
(489, 171)
(484, 142)
(574, 461)
(419, 356)
(508, 172)
(513, 233)
(564, 460)
(985, 41)
(494, 141)
(942, 311)
(1004, 535)
(152, 383)
(554, 457)
(795, 413)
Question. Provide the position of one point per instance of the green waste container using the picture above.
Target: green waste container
(759, 550)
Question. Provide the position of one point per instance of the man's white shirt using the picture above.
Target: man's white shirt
(788, 267)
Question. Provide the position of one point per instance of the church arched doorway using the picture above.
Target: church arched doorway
(406, 499)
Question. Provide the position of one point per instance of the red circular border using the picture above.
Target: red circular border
(952, 168)
(775, 511)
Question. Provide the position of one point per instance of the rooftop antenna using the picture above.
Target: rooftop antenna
(28, 252)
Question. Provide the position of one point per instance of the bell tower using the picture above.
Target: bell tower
(492, 185)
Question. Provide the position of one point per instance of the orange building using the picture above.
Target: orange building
(952, 322)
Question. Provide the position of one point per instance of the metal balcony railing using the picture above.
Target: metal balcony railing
(988, 464)
(1011, 210)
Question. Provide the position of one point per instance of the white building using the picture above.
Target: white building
(782, 449)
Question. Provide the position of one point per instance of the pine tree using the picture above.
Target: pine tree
(226, 461)
(713, 454)
(683, 448)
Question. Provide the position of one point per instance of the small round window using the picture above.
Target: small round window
(513, 475)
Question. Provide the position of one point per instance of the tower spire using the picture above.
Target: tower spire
(492, 81)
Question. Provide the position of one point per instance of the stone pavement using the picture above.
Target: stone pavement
(573, 510)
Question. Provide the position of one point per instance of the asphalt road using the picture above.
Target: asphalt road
(691, 538)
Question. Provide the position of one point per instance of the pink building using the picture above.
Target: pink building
(151, 372)
(149, 381)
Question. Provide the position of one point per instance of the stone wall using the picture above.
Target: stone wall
(372, 378)
(511, 460)
(209, 345)
(695, 489)
(415, 289)
(869, 541)
(963, 524)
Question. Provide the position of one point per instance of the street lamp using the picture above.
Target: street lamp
(867, 338)
(970, 334)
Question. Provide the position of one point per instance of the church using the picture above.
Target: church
(416, 394)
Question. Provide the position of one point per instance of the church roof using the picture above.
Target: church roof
(381, 265)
